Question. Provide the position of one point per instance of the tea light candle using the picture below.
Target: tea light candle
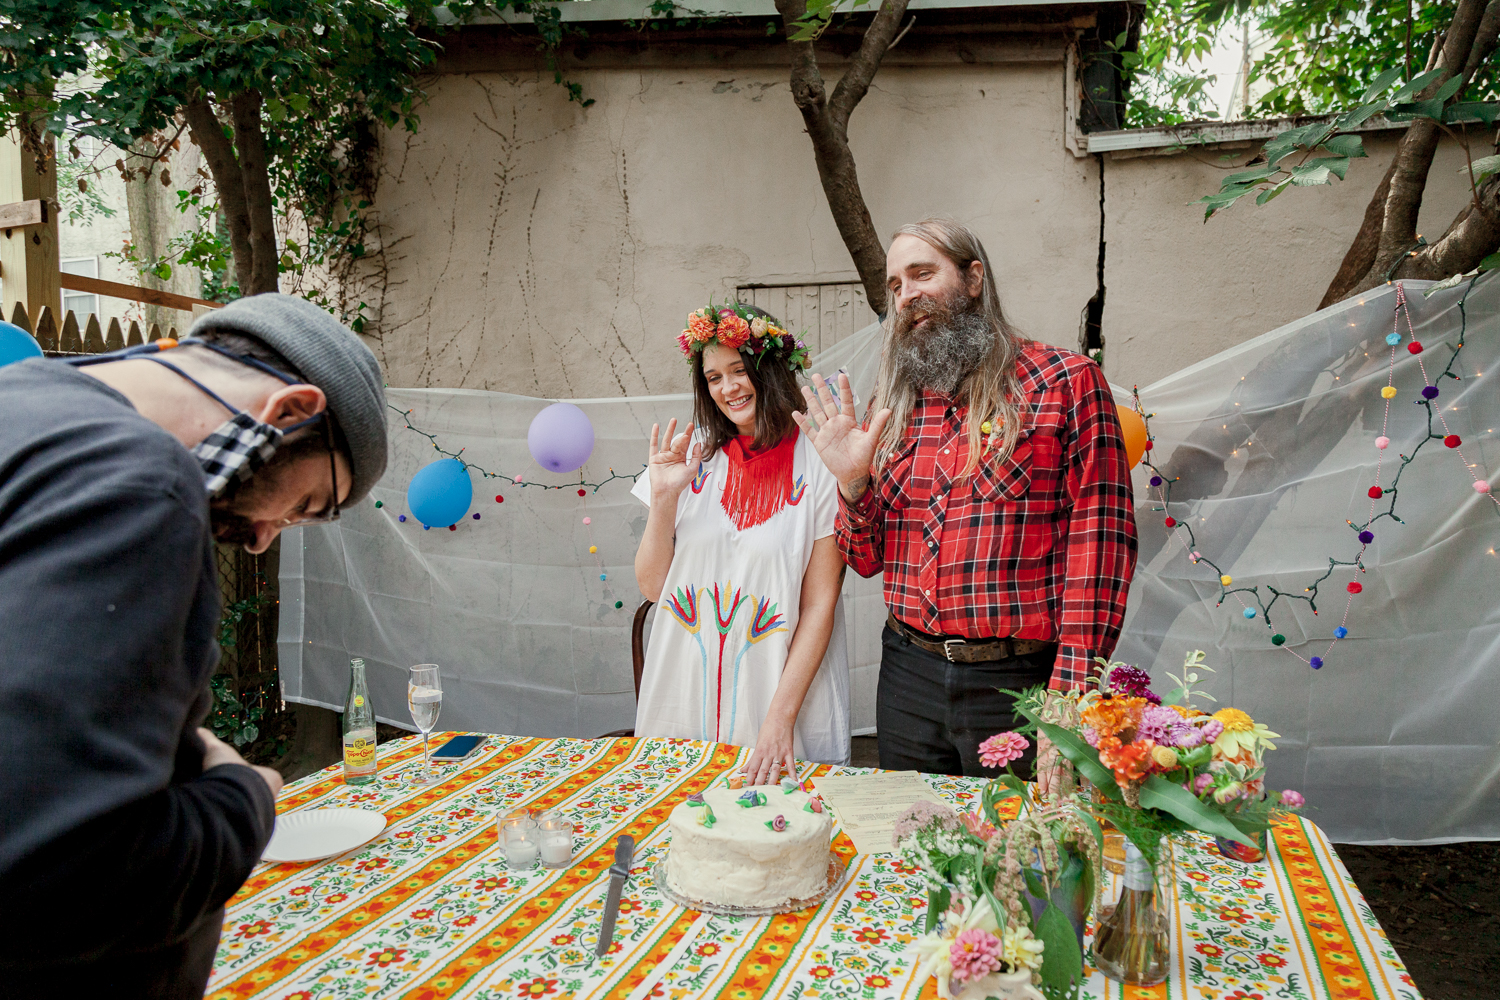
(557, 842)
(518, 839)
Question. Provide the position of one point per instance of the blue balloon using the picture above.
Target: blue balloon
(16, 344)
(440, 493)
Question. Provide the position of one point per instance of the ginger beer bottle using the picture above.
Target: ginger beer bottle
(359, 728)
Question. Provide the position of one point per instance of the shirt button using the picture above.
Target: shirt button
(945, 451)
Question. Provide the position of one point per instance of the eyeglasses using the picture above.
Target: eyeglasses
(331, 512)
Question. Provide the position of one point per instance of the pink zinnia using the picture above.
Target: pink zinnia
(1292, 800)
(1002, 748)
(975, 954)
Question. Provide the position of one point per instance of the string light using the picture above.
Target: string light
(584, 488)
(1162, 485)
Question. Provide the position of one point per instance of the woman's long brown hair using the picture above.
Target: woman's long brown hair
(776, 398)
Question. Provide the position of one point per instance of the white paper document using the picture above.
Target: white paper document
(867, 805)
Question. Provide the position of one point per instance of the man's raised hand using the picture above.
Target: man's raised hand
(674, 464)
(846, 449)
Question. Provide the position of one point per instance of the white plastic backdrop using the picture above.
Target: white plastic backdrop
(1396, 739)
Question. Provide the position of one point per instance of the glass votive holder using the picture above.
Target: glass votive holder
(518, 839)
(556, 836)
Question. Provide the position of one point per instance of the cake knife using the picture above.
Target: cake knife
(619, 872)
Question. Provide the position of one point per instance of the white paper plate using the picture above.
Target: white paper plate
(321, 833)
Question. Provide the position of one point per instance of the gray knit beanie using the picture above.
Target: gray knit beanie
(330, 356)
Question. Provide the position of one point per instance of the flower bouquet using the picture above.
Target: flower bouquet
(1007, 899)
(1159, 767)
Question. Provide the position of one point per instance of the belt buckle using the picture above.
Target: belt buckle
(948, 647)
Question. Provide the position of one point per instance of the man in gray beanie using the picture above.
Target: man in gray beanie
(126, 826)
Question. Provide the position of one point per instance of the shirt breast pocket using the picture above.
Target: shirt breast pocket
(897, 489)
(1023, 487)
(1006, 480)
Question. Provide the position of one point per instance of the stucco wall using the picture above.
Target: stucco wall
(1181, 290)
(529, 245)
(535, 247)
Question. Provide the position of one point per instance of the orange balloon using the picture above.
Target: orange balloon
(1134, 430)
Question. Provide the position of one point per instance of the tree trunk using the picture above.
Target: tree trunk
(827, 121)
(250, 141)
(1386, 244)
(241, 174)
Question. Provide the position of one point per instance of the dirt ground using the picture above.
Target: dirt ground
(1440, 906)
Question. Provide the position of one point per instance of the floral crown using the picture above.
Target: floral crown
(735, 326)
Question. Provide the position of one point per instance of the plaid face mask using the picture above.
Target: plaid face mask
(236, 450)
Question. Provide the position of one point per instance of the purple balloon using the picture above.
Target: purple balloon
(561, 437)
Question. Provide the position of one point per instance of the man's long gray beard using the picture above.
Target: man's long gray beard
(939, 358)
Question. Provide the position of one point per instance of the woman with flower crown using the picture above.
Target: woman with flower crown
(739, 554)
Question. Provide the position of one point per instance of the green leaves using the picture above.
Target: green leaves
(1061, 958)
(1159, 793)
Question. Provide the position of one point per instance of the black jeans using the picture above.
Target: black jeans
(931, 715)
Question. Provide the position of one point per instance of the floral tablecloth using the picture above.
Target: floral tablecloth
(429, 909)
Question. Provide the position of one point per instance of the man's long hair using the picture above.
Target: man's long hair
(991, 390)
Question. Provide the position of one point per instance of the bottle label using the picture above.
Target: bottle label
(359, 751)
(359, 701)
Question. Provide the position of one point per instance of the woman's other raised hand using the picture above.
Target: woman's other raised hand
(673, 460)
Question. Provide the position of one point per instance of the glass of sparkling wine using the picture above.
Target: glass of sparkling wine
(424, 696)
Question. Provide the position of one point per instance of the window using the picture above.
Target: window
(827, 312)
(81, 304)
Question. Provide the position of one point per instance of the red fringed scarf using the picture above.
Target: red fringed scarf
(759, 482)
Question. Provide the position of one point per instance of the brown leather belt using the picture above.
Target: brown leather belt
(964, 651)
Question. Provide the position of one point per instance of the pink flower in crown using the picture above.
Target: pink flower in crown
(758, 326)
(975, 954)
(733, 330)
(685, 341)
(701, 326)
(1002, 748)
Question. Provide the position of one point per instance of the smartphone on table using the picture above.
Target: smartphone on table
(458, 748)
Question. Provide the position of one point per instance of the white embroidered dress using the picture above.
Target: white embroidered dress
(728, 612)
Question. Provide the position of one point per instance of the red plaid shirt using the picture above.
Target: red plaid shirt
(1039, 546)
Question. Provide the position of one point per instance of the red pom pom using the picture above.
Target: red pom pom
(1149, 445)
(1376, 493)
(1354, 588)
(1170, 522)
(583, 493)
(1414, 347)
(499, 498)
(1452, 441)
(452, 527)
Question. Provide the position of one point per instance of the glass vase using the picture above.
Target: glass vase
(1132, 944)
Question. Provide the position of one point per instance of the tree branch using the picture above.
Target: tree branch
(1473, 236)
(208, 135)
(855, 82)
(1361, 255)
(830, 140)
(251, 142)
(1484, 40)
(1414, 154)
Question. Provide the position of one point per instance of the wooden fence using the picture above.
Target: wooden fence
(87, 338)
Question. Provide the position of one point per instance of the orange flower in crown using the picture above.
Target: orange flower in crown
(736, 327)
(734, 331)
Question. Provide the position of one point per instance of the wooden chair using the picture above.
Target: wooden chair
(637, 657)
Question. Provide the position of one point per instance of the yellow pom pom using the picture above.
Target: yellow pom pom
(1389, 392)
(593, 549)
(985, 427)
(1226, 579)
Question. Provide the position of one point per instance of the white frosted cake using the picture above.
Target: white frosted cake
(726, 850)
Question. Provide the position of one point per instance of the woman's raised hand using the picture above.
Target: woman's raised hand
(846, 449)
(671, 463)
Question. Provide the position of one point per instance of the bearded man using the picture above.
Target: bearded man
(994, 492)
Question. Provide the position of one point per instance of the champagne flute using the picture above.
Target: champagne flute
(424, 696)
